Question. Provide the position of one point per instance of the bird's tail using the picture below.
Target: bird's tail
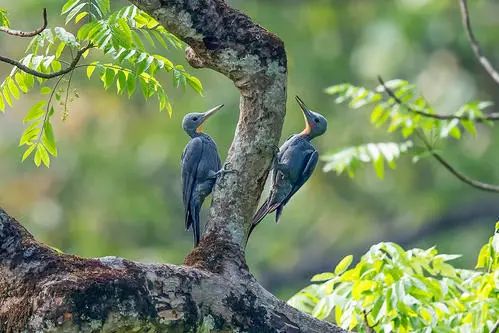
(188, 219)
(265, 209)
(192, 219)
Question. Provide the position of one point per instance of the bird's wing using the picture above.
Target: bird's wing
(310, 162)
(285, 146)
(190, 161)
(211, 154)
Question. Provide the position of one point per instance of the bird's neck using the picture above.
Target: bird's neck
(195, 134)
(306, 135)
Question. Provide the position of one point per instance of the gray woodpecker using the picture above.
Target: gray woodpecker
(293, 165)
(200, 168)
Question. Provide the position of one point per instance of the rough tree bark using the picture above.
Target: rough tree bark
(42, 290)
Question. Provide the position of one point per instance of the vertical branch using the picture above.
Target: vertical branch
(33, 33)
(465, 14)
(227, 41)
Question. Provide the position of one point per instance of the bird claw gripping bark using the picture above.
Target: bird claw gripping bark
(225, 169)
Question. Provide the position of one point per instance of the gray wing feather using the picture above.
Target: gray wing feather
(310, 164)
(190, 161)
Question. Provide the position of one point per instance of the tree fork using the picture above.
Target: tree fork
(42, 290)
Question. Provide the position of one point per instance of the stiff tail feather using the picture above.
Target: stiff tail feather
(265, 209)
(194, 222)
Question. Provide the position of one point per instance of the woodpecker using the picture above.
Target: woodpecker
(200, 168)
(293, 165)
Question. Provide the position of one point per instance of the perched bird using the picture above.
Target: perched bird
(200, 168)
(293, 165)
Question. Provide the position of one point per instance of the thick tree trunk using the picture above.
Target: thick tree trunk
(42, 290)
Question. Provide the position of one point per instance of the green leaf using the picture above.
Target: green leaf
(195, 83)
(74, 11)
(38, 156)
(48, 139)
(19, 78)
(91, 69)
(379, 167)
(131, 84)
(35, 112)
(469, 126)
(28, 152)
(4, 21)
(45, 90)
(60, 49)
(13, 88)
(483, 256)
(2, 104)
(322, 277)
(343, 264)
(69, 5)
(80, 16)
(56, 65)
(121, 83)
(6, 95)
(108, 77)
(30, 133)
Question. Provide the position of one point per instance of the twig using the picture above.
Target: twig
(487, 117)
(470, 181)
(465, 14)
(440, 159)
(369, 328)
(495, 328)
(33, 33)
(28, 70)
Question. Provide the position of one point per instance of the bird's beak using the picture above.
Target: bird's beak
(211, 112)
(307, 114)
(207, 115)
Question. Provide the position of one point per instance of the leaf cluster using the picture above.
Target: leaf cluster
(394, 290)
(406, 113)
(127, 37)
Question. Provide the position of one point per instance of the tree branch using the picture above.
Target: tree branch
(487, 117)
(36, 73)
(470, 181)
(495, 328)
(227, 41)
(475, 46)
(214, 292)
(42, 290)
(33, 33)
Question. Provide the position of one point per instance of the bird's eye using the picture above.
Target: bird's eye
(195, 118)
(317, 120)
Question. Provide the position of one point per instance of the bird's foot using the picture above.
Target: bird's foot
(225, 169)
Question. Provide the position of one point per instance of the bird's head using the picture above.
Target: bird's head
(315, 123)
(193, 122)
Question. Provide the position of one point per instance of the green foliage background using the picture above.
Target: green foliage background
(114, 188)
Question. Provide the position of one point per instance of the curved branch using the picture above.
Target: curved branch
(36, 73)
(488, 117)
(465, 179)
(470, 181)
(42, 290)
(214, 291)
(465, 14)
(33, 33)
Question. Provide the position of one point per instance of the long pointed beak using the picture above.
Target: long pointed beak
(306, 111)
(211, 112)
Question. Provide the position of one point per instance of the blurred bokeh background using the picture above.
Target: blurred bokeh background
(115, 187)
